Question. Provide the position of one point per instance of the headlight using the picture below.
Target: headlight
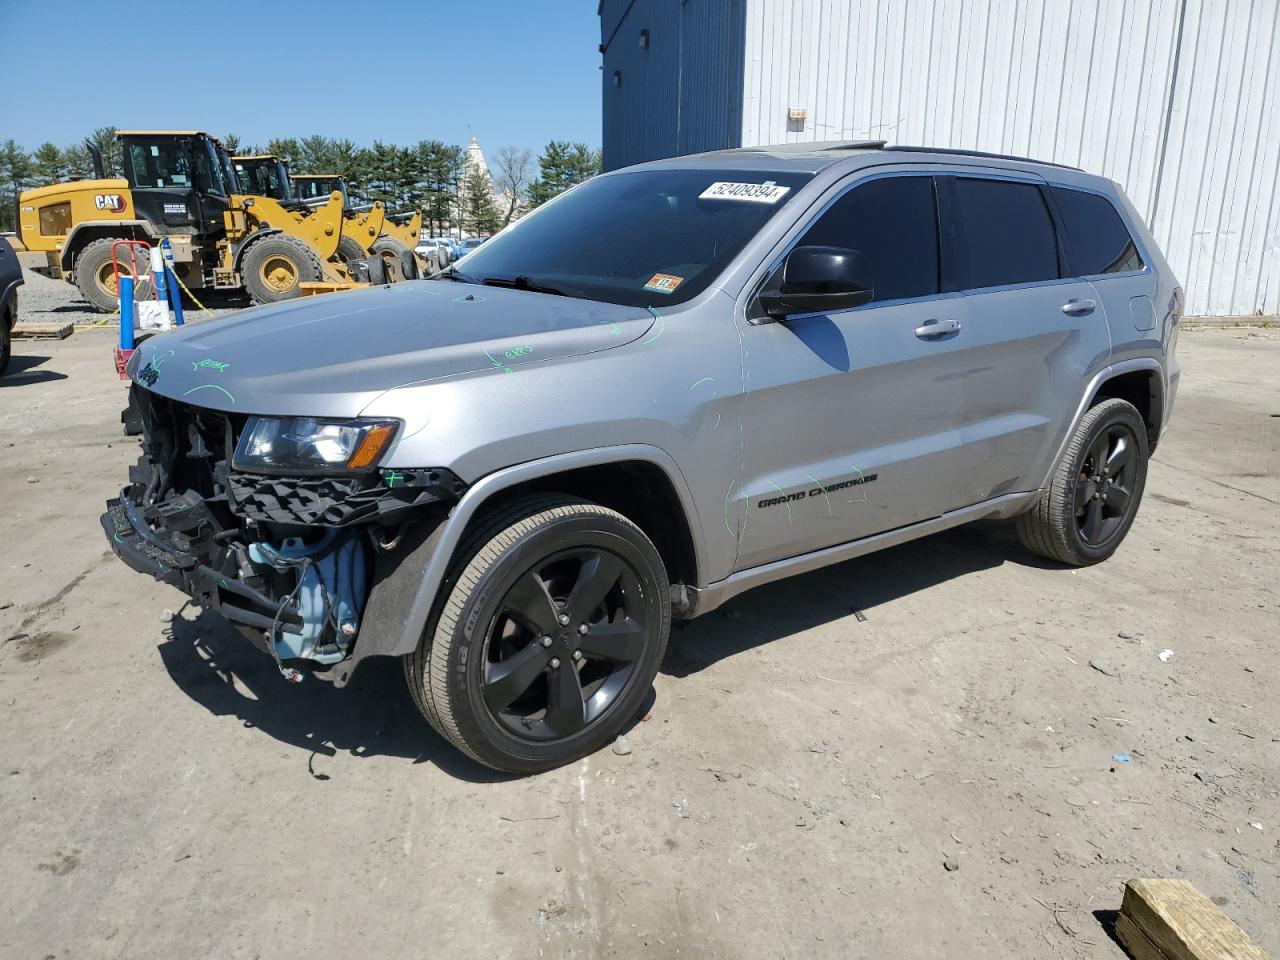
(308, 445)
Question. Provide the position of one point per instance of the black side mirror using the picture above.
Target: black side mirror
(818, 280)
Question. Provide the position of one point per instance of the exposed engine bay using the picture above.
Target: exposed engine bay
(289, 560)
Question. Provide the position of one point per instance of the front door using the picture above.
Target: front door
(850, 423)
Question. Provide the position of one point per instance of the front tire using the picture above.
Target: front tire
(548, 638)
(96, 276)
(274, 266)
(1095, 490)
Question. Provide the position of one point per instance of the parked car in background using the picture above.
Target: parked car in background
(471, 244)
(434, 252)
(10, 280)
(676, 382)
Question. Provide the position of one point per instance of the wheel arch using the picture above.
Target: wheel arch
(248, 243)
(87, 232)
(586, 473)
(1141, 387)
(1128, 378)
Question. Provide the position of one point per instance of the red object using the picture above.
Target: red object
(122, 360)
(136, 248)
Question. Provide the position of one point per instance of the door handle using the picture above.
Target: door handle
(932, 329)
(1076, 308)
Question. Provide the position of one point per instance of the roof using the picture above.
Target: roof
(257, 156)
(315, 176)
(161, 133)
(813, 156)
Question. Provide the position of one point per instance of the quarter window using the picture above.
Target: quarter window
(893, 223)
(1009, 235)
(1099, 240)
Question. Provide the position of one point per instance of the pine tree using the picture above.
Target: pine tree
(562, 165)
(48, 164)
(105, 139)
(15, 175)
(480, 213)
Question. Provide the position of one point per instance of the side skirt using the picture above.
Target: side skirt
(702, 600)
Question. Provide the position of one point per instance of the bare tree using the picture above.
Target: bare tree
(512, 179)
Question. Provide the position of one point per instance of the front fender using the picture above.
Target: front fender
(401, 602)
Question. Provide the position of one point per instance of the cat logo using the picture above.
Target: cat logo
(110, 201)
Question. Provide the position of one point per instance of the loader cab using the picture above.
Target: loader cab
(263, 176)
(178, 180)
(316, 187)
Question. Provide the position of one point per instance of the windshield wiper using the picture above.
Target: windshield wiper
(454, 274)
(522, 282)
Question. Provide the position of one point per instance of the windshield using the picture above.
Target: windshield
(648, 238)
(161, 163)
(263, 178)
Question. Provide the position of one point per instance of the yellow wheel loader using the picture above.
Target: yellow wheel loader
(375, 232)
(180, 184)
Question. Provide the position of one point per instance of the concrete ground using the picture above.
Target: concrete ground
(939, 779)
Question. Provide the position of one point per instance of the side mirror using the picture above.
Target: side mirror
(818, 280)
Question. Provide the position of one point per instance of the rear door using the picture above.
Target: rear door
(1032, 331)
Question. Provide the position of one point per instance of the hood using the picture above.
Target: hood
(330, 355)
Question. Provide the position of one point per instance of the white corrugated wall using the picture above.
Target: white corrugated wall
(1176, 100)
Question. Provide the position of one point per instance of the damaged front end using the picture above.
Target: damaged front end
(288, 558)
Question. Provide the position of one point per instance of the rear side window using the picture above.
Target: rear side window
(1009, 233)
(893, 223)
(1099, 240)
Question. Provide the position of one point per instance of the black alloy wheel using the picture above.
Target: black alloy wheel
(563, 643)
(1104, 487)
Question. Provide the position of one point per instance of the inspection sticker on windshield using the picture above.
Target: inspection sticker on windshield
(664, 283)
(767, 192)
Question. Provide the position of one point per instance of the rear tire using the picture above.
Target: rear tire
(502, 677)
(95, 276)
(390, 250)
(1095, 490)
(275, 265)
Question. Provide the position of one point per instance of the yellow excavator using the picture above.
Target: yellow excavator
(180, 184)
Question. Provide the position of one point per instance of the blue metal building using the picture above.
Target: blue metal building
(1176, 100)
(673, 77)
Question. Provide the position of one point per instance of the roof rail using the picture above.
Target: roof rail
(978, 153)
(858, 145)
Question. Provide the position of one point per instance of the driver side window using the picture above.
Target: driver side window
(893, 223)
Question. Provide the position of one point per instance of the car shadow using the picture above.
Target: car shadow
(16, 376)
(372, 716)
(789, 606)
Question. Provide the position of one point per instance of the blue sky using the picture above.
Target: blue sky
(516, 72)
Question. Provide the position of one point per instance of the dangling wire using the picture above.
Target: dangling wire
(289, 673)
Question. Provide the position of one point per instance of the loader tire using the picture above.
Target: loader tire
(275, 266)
(349, 249)
(409, 266)
(96, 279)
(391, 250)
(376, 269)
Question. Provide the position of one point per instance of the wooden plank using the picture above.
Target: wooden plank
(43, 331)
(1172, 920)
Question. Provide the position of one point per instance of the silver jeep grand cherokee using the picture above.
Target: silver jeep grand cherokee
(669, 385)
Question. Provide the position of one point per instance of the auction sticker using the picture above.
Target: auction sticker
(664, 283)
(767, 192)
